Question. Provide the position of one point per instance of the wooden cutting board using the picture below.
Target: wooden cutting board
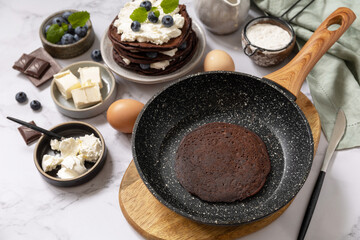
(155, 221)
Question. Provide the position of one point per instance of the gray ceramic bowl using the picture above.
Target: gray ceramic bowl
(70, 50)
(108, 92)
(69, 129)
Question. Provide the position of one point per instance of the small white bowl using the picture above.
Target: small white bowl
(108, 92)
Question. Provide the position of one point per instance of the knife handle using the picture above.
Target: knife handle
(311, 205)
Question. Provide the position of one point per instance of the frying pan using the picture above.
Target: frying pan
(266, 106)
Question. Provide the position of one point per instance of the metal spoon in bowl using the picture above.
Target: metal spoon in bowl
(36, 128)
(337, 134)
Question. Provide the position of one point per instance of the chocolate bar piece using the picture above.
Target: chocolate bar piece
(23, 63)
(37, 68)
(28, 134)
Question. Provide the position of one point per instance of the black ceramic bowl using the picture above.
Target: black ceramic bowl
(69, 50)
(69, 129)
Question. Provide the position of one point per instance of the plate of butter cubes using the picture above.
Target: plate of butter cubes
(83, 89)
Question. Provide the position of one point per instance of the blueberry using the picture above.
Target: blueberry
(144, 66)
(81, 31)
(96, 55)
(146, 5)
(70, 30)
(47, 28)
(167, 21)
(135, 26)
(67, 38)
(35, 105)
(59, 43)
(21, 97)
(152, 17)
(58, 21)
(183, 46)
(76, 38)
(151, 54)
(66, 15)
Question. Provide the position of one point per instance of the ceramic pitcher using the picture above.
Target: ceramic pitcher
(222, 16)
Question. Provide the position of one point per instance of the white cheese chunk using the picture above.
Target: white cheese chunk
(74, 163)
(90, 147)
(160, 65)
(65, 173)
(65, 82)
(170, 53)
(92, 74)
(55, 144)
(69, 147)
(86, 96)
(50, 162)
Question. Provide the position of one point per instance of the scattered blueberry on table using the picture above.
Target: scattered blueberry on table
(35, 105)
(21, 97)
(96, 55)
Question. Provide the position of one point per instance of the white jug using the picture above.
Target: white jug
(222, 16)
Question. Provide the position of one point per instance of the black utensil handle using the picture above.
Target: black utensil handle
(36, 128)
(311, 205)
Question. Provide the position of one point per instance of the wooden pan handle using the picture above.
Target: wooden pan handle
(293, 74)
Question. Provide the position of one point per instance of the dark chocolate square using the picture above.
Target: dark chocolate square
(23, 63)
(28, 134)
(37, 68)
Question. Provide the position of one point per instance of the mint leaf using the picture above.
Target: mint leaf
(79, 19)
(139, 14)
(64, 26)
(169, 5)
(156, 12)
(55, 32)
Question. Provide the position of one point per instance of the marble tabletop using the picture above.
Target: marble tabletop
(34, 209)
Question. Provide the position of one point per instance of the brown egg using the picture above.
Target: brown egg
(122, 114)
(217, 60)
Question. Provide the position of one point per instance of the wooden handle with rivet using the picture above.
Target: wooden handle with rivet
(293, 74)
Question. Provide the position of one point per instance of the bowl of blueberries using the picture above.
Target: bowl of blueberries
(67, 34)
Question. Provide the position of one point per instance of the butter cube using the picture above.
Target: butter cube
(86, 96)
(90, 74)
(66, 82)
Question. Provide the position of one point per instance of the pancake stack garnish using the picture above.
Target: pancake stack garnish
(222, 162)
(152, 37)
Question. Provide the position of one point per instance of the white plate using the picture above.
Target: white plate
(107, 54)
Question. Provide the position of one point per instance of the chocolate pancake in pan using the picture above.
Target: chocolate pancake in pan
(222, 162)
(146, 46)
(174, 64)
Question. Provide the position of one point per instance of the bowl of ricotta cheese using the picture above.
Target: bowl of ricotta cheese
(268, 40)
(75, 158)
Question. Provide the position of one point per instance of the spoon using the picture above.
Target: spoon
(36, 128)
(338, 132)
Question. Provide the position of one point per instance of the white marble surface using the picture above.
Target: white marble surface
(33, 209)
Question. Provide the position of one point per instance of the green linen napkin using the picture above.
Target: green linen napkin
(334, 82)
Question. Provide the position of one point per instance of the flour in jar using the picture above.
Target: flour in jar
(268, 36)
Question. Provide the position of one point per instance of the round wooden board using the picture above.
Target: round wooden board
(155, 221)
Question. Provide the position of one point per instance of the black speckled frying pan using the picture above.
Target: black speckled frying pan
(261, 105)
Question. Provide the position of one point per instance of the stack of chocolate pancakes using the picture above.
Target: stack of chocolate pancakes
(131, 55)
